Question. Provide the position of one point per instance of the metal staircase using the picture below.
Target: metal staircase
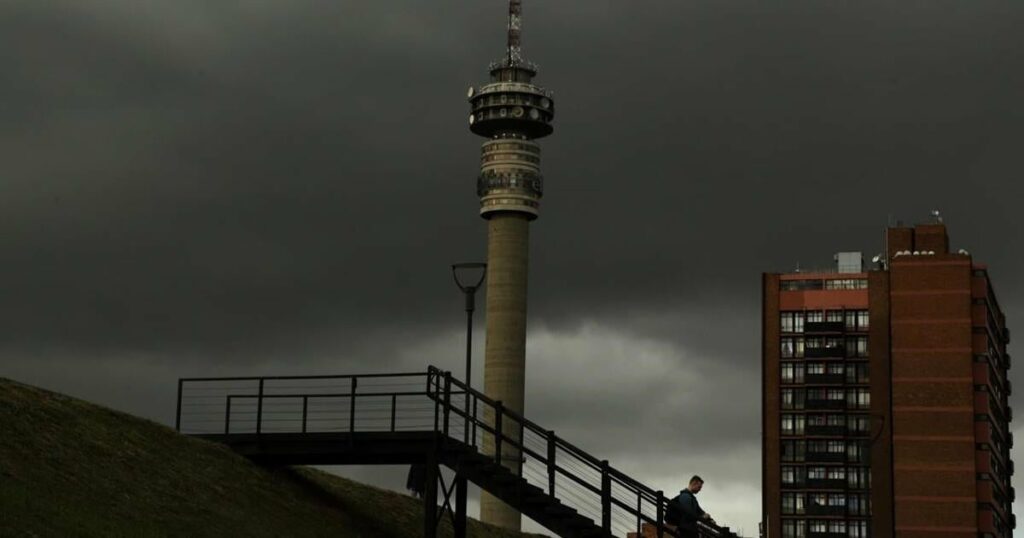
(432, 419)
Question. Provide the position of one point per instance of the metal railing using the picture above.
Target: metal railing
(616, 501)
(431, 401)
(304, 404)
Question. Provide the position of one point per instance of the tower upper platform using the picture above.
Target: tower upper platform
(511, 112)
(511, 104)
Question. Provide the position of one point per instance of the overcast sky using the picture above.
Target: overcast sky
(269, 186)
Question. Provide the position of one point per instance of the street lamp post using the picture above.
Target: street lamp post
(463, 273)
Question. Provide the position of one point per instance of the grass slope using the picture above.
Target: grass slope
(71, 468)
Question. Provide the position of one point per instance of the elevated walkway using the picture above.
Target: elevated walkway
(430, 419)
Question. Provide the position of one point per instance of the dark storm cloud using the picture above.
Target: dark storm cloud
(193, 175)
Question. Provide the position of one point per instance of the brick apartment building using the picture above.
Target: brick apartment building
(884, 398)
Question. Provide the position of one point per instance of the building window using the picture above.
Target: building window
(815, 473)
(792, 322)
(856, 346)
(834, 316)
(856, 452)
(857, 373)
(857, 529)
(858, 478)
(792, 503)
(859, 504)
(858, 398)
(792, 347)
(792, 475)
(793, 398)
(815, 316)
(792, 373)
(800, 285)
(817, 526)
(858, 424)
(815, 368)
(847, 284)
(836, 473)
(794, 450)
(816, 499)
(794, 529)
(863, 320)
(792, 424)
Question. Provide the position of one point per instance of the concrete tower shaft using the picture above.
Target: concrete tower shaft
(508, 241)
(511, 113)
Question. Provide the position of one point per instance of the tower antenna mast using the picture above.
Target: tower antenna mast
(515, 25)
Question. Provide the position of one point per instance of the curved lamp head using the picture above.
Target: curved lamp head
(469, 276)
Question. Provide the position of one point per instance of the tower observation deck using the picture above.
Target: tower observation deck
(511, 113)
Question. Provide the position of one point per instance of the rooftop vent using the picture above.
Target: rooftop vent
(849, 262)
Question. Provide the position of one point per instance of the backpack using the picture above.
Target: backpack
(674, 514)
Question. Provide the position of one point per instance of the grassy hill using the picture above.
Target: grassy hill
(71, 468)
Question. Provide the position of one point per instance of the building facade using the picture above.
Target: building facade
(884, 400)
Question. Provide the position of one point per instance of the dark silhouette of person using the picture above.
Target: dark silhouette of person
(416, 481)
(690, 509)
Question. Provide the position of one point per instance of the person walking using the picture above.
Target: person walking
(689, 510)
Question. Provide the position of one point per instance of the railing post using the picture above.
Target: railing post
(305, 412)
(259, 409)
(447, 400)
(475, 402)
(352, 408)
(498, 434)
(639, 512)
(522, 447)
(177, 415)
(606, 498)
(227, 416)
(552, 466)
(660, 511)
(437, 405)
(394, 404)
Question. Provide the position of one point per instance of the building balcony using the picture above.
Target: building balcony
(822, 510)
(826, 535)
(837, 352)
(825, 457)
(824, 379)
(831, 431)
(826, 404)
(826, 483)
(824, 327)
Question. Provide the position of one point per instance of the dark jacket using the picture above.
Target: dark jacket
(691, 510)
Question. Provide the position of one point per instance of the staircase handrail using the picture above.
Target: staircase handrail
(643, 493)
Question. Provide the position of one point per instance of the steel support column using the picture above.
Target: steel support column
(430, 497)
(461, 493)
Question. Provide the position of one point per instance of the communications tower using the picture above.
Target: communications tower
(511, 113)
